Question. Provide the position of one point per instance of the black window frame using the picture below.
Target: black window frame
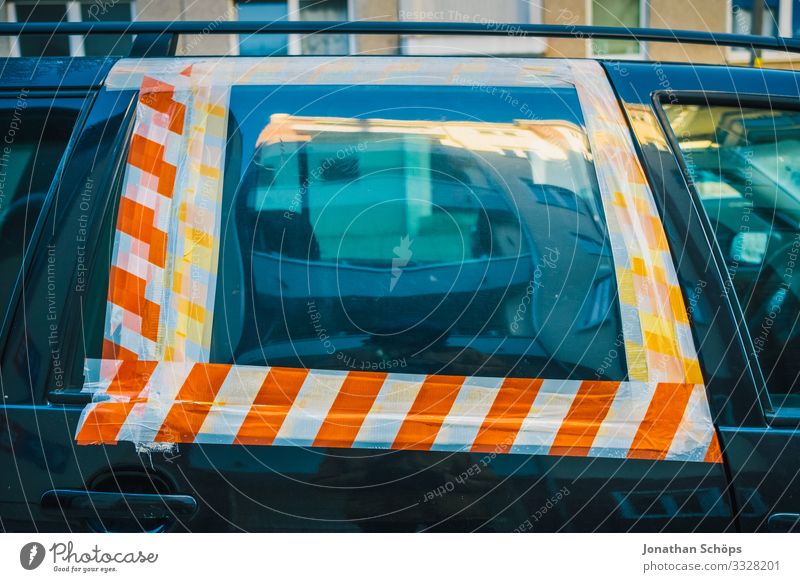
(88, 95)
(102, 134)
(776, 416)
(107, 174)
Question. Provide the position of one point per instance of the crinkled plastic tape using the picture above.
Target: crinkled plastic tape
(651, 301)
(164, 263)
(662, 413)
(228, 404)
(464, 71)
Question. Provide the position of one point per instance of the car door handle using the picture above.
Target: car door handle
(784, 522)
(104, 504)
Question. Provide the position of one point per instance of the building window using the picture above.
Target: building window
(624, 13)
(44, 45)
(324, 44)
(795, 20)
(70, 11)
(509, 11)
(284, 44)
(742, 22)
(107, 44)
(780, 18)
(263, 44)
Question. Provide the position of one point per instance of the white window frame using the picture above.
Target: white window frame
(295, 47)
(73, 15)
(742, 55)
(437, 45)
(644, 17)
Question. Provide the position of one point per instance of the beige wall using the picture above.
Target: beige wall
(677, 14)
(210, 10)
(568, 13)
(710, 15)
(375, 10)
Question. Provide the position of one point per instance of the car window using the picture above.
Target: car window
(414, 230)
(744, 164)
(34, 132)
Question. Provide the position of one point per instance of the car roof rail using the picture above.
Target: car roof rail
(159, 38)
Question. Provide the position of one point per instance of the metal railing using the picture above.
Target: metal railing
(160, 38)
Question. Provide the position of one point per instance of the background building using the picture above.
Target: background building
(779, 17)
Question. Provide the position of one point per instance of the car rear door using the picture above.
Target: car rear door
(63, 141)
(727, 175)
(363, 294)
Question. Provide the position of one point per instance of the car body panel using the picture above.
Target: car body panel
(760, 452)
(243, 488)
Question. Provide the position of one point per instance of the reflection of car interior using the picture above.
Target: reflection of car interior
(743, 164)
(27, 174)
(389, 246)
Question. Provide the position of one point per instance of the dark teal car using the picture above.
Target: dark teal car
(398, 293)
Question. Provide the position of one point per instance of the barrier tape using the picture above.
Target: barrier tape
(658, 340)
(154, 383)
(184, 402)
(164, 262)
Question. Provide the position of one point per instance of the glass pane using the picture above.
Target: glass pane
(616, 13)
(106, 44)
(36, 45)
(374, 228)
(324, 44)
(263, 44)
(795, 18)
(745, 166)
(743, 17)
(35, 133)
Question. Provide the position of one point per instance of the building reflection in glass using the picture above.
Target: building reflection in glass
(453, 247)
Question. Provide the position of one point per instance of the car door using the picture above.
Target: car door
(62, 145)
(369, 295)
(733, 184)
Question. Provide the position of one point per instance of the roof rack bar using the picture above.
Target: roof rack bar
(581, 32)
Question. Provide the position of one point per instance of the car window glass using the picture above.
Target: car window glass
(34, 133)
(744, 164)
(415, 230)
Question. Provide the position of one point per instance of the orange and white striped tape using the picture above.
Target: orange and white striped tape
(148, 387)
(658, 339)
(183, 402)
(278, 71)
(164, 262)
(136, 291)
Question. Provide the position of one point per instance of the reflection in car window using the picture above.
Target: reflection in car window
(34, 132)
(745, 166)
(415, 230)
